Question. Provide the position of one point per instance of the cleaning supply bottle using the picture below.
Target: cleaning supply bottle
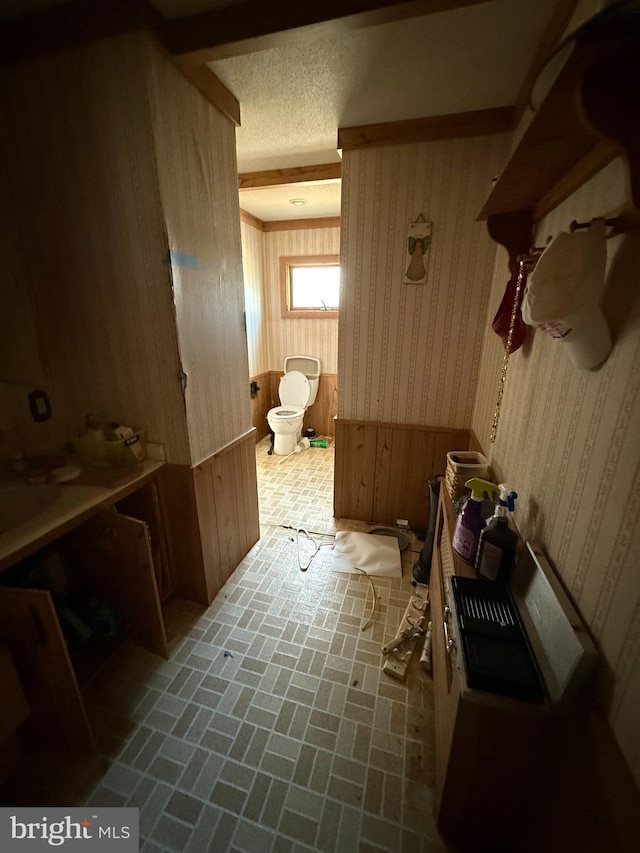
(470, 522)
(498, 542)
(93, 428)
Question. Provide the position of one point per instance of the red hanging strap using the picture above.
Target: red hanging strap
(502, 321)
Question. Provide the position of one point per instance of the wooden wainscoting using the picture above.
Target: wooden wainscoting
(382, 470)
(261, 404)
(211, 515)
(180, 515)
(320, 416)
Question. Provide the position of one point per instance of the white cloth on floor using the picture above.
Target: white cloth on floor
(378, 556)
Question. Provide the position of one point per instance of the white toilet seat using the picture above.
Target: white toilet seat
(294, 390)
(285, 413)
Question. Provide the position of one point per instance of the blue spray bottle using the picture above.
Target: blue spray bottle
(470, 522)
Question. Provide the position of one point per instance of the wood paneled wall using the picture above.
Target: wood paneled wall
(261, 404)
(320, 416)
(382, 470)
(211, 514)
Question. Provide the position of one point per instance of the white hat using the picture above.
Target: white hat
(563, 295)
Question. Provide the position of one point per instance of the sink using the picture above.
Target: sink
(20, 501)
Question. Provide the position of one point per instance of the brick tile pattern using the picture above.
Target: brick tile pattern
(272, 728)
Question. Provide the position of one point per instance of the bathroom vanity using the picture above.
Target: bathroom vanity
(100, 538)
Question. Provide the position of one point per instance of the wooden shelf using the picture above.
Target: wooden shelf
(555, 141)
(588, 117)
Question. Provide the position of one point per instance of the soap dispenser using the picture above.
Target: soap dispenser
(471, 522)
(498, 542)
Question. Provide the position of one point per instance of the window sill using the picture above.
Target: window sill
(309, 314)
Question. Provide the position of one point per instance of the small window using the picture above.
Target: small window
(310, 286)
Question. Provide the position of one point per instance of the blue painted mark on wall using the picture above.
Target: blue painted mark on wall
(181, 259)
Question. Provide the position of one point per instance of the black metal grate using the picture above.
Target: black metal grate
(494, 610)
(496, 652)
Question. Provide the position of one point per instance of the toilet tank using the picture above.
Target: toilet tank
(310, 366)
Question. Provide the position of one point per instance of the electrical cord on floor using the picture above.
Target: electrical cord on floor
(308, 532)
(373, 603)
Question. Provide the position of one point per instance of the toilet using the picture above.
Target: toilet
(297, 391)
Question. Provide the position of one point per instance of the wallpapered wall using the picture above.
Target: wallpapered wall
(276, 338)
(115, 159)
(198, 184)
(569, 441)
(16, 422)
(410, 353)
(77, 131)
(254, 299)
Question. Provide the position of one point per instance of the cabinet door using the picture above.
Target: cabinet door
(29, 626)
(134, 574)
(144, 504)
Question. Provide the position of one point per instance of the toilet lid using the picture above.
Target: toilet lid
(294, 389)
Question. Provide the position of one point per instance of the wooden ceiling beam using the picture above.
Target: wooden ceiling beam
(301, 224)
(257, 25)
(296, 175)
(252, 220)
(455, 125)
(213, 89)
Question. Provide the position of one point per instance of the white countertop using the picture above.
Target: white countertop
(74, 503)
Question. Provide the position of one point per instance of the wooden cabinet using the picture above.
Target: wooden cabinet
(485, 743)
(30, 628)
(109, 559)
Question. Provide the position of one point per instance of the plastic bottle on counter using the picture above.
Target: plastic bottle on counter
(471, 522)
(93, 429)
(498, 542)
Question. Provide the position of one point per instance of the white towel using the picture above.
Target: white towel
(378, 556)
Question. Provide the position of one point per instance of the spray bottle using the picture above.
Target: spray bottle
(498, 542)
(470, 522)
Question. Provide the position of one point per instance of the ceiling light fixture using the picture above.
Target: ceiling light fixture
(298, 201)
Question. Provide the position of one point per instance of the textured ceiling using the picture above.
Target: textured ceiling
(293, 98)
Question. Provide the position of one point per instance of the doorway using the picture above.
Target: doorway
(273, 333)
